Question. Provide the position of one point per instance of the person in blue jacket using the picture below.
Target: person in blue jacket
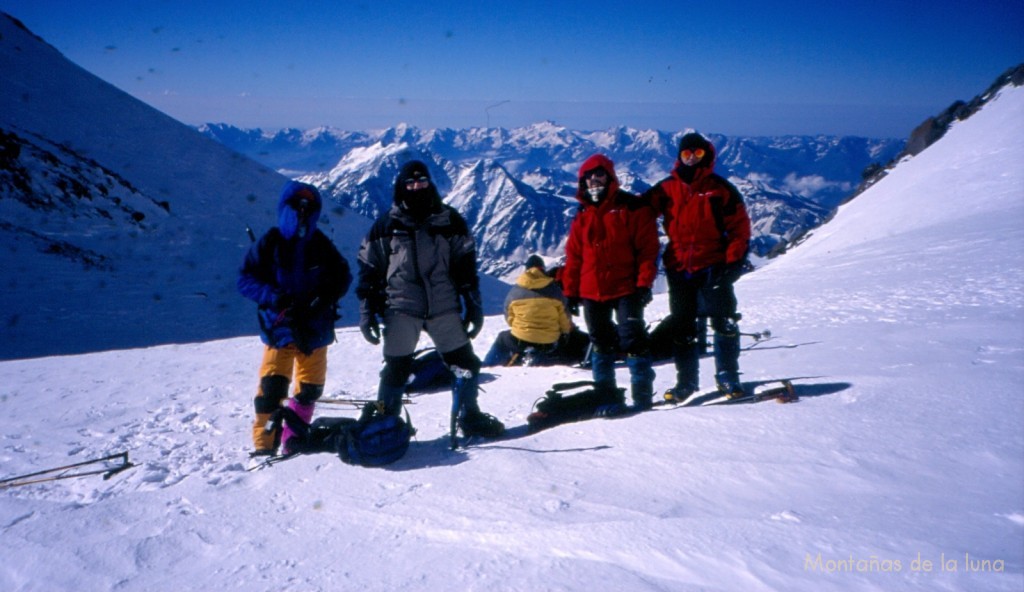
(296, 276)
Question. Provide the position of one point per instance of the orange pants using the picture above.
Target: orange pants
(289, 362)
(279, 367)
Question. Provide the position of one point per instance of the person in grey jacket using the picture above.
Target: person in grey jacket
(417, 272)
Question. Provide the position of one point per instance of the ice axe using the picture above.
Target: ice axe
(762, 335)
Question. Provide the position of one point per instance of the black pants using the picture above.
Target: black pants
(627, 334)
(696, 296)
(397, 369)
(693, 296)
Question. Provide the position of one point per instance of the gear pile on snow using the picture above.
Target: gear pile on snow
(374, 439)
(585, 400)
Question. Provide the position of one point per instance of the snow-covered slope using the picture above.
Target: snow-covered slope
(901, 468)
(119, 227)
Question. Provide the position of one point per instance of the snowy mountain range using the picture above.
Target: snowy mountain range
(506, 180)
(901, 468)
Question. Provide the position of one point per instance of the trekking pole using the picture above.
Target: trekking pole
(357, 402)
(586, 356)
(454, 424)
(461, 375)
(107, 472)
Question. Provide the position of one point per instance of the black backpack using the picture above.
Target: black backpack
(585, 400)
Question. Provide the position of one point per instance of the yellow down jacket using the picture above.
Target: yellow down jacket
(535, 310)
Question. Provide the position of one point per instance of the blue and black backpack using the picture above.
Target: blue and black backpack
(374, 439)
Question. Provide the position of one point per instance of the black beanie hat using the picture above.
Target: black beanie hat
(420, 203)
(694, 140)
(535, 261)
(412, 170)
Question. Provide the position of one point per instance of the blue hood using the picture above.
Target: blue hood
(288, 219)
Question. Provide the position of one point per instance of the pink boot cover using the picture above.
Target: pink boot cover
(305, 413)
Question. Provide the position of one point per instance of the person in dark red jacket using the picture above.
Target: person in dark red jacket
(709, 234)
(611, 261)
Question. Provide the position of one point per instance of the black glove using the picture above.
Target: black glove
(369, 324)
(643, 296)
(472, 312)
(302, 309)
(282, 301)
(572, 305)
(726, 273)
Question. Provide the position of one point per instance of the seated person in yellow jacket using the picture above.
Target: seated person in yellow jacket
(540, 327)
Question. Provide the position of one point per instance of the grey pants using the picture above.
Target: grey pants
(402, 333)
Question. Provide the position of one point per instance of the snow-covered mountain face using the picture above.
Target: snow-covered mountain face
(119, 226)
(512, 222)
(525, 178)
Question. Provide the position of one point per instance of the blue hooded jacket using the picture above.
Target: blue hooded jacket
(295, 274)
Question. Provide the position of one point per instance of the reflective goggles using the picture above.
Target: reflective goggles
(692, 154)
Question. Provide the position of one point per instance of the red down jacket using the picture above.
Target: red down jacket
(696, 240)
(613, 246)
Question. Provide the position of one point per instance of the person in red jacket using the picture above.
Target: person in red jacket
(611, 261)
(709, 234)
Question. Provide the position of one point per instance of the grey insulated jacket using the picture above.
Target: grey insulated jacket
(417, 268)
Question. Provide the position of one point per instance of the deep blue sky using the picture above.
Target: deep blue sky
(749, 67)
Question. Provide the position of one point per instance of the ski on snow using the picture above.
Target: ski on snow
(781, 391)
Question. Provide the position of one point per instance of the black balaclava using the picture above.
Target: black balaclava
(692, 141)
(420, 202)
